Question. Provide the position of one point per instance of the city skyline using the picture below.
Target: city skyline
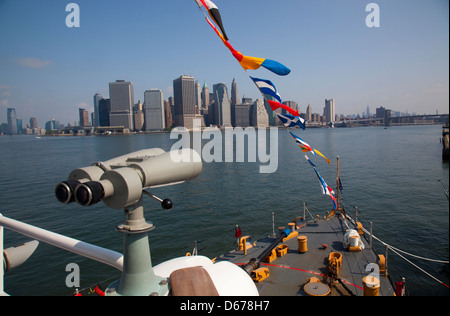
(50, 70)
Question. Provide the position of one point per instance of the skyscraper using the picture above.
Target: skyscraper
(205, 97)
(121, 95)
(12, 121)
(271, 115)
(198, 96)
(309, 112)
(258, 114)
(234, 93)
(104, 108)
(167, 113)
(184, 101)
(84, 117)
(138, 117)
(154, 110)
(97, 98)
(329, 110)
(223, 106)
(33, 123)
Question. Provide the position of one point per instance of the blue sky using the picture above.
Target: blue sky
(48, 70)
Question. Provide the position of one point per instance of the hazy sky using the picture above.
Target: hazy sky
(48, 70)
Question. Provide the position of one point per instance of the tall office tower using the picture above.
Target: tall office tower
(222, 103)
(258, 114)
(309, 112)
(154, 110)
(167, 113)
(270, 114)
(240, 115)
(84, 117)
(19, 126)
(138, 117)
(33, 123)
(198, 96)
(367, 111)
(184, 101)
(52, 125)
(205, 97)
(97, 98)
(329, 110)
(380, 112)
(12, 121)
(104, 108)
(234, 93)
(121, 95)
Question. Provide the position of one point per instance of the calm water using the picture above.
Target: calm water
(390, 174)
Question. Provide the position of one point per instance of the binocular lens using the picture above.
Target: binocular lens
(64, 191)
(89, 193)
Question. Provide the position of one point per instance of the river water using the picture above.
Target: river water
(395, 177)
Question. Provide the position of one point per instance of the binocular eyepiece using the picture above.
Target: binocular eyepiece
(85, 194)
(119, 182)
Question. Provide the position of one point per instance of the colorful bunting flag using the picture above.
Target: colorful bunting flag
(253, 63)
(275, 105)
(323, 185)
(306, 147)
(291, 120)
(214, 14)
(266, 87)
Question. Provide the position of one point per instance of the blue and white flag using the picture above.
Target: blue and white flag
(290, 120)
(267, 87)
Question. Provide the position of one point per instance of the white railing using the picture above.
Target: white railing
(103, 255)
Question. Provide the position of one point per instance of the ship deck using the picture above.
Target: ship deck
(290, 273)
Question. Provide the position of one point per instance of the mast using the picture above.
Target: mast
(337, 191)
(337, 184)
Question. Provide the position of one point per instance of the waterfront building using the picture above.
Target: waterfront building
(184, 101)
(104, 108)
(380, 112)
(167, 113)
(154, 110)
(84, 117)
(12, 121)
(329, 110)
(271, 115)
(19, 125)
(121, 95)
(258, 114)
(52, 125)
(138, 117)
(33, 123)
(222, 112)
(309, 112)
(240, 115)
(97, 98)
